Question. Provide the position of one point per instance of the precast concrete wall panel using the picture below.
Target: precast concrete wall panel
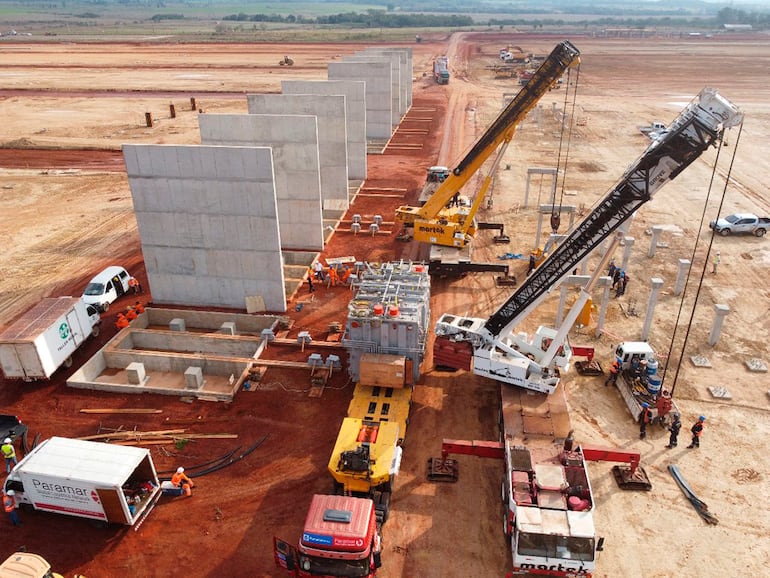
(376, 75)
(395, 75)
(332, 148)
(397, 106)
(294, 141)
(405, 73)
(354, 92)
(208, 223)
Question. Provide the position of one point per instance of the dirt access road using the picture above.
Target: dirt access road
(62, 221)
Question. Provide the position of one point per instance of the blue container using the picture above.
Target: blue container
(652, 366)
(653, 384)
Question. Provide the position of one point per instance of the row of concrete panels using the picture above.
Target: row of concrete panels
(214, 218)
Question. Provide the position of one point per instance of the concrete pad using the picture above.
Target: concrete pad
(700, 361)
(354, 92)
(377, 75)
(294, 143)
(201, 361)
(332, 137)
(208, 223)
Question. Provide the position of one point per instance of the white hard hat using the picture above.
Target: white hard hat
(10, 493)
(179, 470)
(7, 440)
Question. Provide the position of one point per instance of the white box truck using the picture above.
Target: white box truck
(45, 337)
(94, 480)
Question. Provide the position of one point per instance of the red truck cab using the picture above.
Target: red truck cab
(341, 538)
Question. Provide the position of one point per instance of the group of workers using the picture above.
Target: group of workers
(619, 279)
(132, 312)
(333, 276)
(663, 405)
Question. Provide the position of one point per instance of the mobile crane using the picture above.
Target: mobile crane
(444, 223)
(512, 358)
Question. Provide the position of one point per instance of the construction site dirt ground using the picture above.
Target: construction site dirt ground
(66, 211)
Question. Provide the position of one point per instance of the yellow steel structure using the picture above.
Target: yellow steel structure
(437, 222)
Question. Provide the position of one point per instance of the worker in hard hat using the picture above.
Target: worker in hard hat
(673, 429)
(9, 503)
(131, 313)
(138, 307)
(182, 481)
(697, 430)
(645, 417)
(9, 453)
(121, 322)
(615, 369)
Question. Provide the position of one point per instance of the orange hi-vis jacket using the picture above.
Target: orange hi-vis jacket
(180, 479)
(9, 504)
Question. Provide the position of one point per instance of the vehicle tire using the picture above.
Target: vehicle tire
(68, 362)
(95, 331)
(105, 307)
(724, 232)
(760, 232)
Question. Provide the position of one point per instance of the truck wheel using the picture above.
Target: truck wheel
(105, 307)
(95, 331)
(760, 232)
(68, 362)
(724, 232)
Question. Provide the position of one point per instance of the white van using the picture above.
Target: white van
(107, 287)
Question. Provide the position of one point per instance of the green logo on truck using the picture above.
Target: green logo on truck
(64, 330)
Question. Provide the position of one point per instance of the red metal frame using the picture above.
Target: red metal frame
(594, 454)
(479, 448)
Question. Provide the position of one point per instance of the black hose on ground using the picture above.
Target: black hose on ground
(204, 464)
(233, 460)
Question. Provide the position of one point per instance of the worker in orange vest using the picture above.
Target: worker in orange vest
(345, 275)
(121, 322)
(134, 285)
(9, 503)
(697, 430)
(138, 307)
(614, 372)
(181, 480)
(334, 278)
(130, 313)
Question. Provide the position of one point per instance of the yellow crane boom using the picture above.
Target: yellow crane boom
(453, 226)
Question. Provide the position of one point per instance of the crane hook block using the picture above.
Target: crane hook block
(555, 221)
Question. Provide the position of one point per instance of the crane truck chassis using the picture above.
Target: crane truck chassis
(546, 491)
(535, 363)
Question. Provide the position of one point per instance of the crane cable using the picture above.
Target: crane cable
(556, 216)
(705, 263)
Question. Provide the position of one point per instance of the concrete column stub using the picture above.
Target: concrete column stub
(628, 244)
(720, 312)
(681, 276)
(656, 283)
(656, 231)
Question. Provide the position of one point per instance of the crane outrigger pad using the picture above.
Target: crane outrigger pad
(443, 470)
(627, 479)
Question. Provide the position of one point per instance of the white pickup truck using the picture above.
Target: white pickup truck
(741, 223)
